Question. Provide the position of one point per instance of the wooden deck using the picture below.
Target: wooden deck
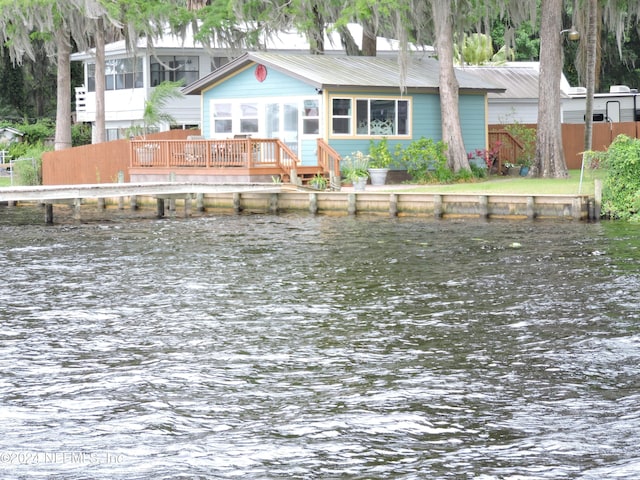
(232, 160)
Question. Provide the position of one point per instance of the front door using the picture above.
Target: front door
(282, 121)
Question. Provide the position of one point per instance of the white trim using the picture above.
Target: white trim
(262, 103)
(353, 116)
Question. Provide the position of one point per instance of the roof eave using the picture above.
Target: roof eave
(197, 87)
(482, 90)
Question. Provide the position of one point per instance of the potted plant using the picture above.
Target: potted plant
(526, 138)
(319, 181)
(525, 165)
(354, 169)
(511, 169)
(380, 161)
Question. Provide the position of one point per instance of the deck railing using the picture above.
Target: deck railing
(510, 148)
(247, 153)
(329, 161)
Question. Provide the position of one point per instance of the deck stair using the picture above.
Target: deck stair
(306, 173)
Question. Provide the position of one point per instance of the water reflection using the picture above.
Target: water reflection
(320, 347)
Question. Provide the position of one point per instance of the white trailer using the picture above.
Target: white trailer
(621, 104)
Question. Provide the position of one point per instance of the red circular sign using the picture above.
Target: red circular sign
(261, 73)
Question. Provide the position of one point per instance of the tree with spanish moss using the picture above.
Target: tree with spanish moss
(57, 24)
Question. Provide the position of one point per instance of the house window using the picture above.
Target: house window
(284, 118)
(362, 117)
(120, 74)
(165, 68)
(222, 118)
(341, 116)
(382, 117)
(248, 118)
(311, 117)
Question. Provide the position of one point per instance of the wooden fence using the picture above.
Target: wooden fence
(603, 135)
(573, 139)
(97, 163)
(101, 163)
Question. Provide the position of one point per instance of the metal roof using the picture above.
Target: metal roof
(291, 41)
(520, 81)
(323, 71)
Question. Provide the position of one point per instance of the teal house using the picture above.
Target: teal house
(345, 101)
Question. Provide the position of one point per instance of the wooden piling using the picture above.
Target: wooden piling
(273, 203)
(437, 206)
(531, 208)
(187, 206)
(576, 207)
(48, 213)
(120, 199)
(483, 206)
(313, 203)
(77, 203)
(159, 207)
(393, 205)
(597, 206)
(351, 203)
(237, 202)
(591, 207)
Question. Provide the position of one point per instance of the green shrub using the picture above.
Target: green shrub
(380, 155)
(426, 161)
(474, 173)
(527, 138)
(80, 134)
(27, 168)
(39, 132)
(18, 149)
(621, 186)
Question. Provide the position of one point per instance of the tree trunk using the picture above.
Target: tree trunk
(100, 132)
(349, 44)
(590, 70)
(63, 110)
(369, 39)
(550, 162)
(451, 130)
(316, 35)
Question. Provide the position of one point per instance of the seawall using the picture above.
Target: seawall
(268, 198)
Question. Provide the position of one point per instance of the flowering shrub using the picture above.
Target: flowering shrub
(355, 166)
(490, 156)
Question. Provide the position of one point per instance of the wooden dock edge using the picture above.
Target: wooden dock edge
(392, 203)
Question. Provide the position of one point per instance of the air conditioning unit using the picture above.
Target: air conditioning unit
(619, 89)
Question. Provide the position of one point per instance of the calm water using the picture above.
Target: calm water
(271, 347)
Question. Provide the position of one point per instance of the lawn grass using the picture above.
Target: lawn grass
(499, 185)
(521, 185)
